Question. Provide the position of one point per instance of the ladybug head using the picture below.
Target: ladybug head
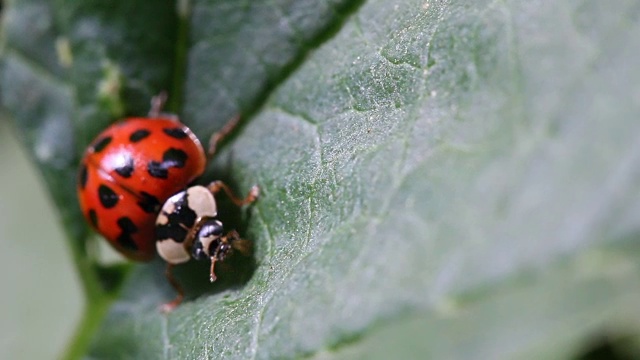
(208, 240)
(210, 244)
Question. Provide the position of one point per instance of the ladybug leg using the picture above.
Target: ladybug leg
(212, 276)
(216, 256)
(221, 134)
(157, 103)
(168, 307)
(252, 196)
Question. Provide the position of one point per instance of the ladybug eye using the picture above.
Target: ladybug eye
(223, 251)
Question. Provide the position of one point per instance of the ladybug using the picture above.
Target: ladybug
(187, 228)
(133, 189)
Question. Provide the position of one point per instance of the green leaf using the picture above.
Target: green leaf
(441, 179)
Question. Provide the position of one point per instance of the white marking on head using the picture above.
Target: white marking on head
(206, 242)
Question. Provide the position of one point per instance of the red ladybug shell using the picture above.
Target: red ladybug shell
(129, 171)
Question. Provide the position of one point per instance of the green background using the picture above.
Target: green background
(42, 300)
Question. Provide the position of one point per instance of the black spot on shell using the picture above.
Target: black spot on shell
(127, 169)
(148, 202)
(171, 158)
(179, 221)
(93, 217)
(177, 133)
(128, 228)
(156, 170)
(101, 143)
(174, 158)
(108, 198)
(84, 176)
(139, 135)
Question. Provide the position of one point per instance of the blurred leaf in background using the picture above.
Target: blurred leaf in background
(41, 298)
(446, 179)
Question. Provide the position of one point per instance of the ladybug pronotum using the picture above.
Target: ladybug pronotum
(132, 189)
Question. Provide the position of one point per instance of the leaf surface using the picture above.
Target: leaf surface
(442, 177)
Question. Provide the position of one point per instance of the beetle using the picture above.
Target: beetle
(133, 188)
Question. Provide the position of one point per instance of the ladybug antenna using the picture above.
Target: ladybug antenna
(243, 246)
